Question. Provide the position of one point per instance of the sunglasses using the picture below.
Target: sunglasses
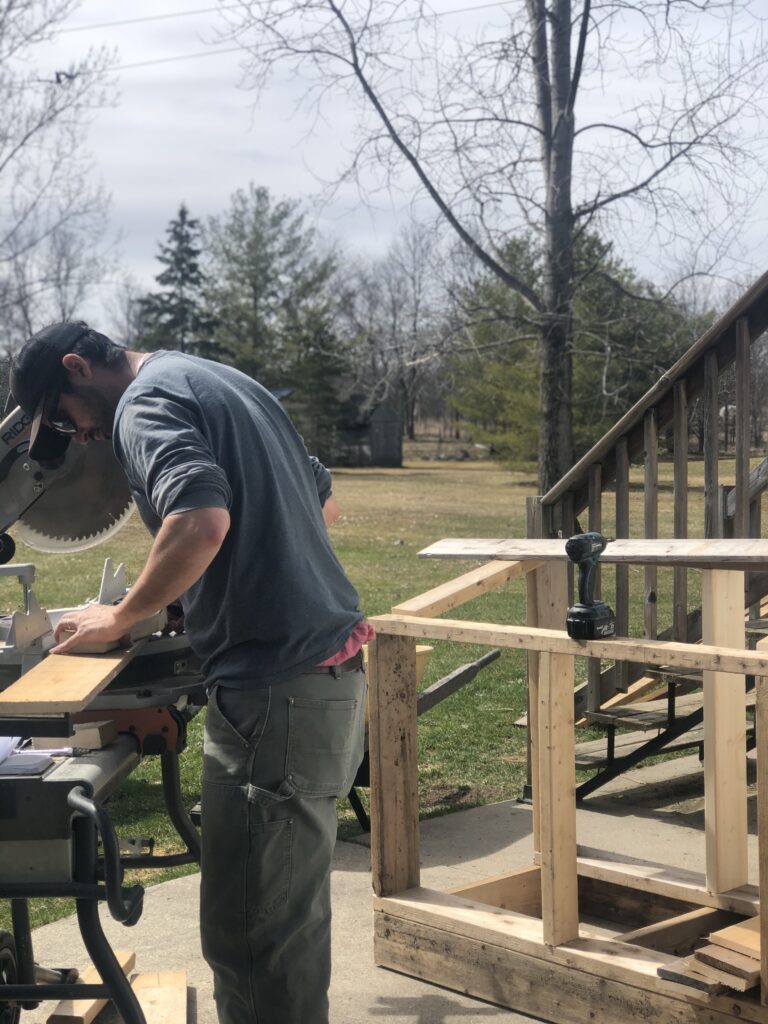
(61, 424)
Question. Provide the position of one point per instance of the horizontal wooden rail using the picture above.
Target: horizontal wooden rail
(464, 588)
(553, 641)
(694, 553)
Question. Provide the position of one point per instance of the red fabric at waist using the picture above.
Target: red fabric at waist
(360, 635)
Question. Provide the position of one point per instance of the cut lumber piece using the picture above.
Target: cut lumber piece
(464, 588)
(683, 972)
(723, 977)
(518, 890)
(162, 996)
(83, 1011)
(64, 682)
(723, 959)
(713, 553)
(557, 641)
(678, 935)
(743, 937)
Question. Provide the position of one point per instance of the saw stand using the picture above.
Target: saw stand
(56, 838)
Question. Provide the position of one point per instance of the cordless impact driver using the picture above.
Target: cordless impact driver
(589, 619)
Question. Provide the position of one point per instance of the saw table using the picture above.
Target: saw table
(56, 836)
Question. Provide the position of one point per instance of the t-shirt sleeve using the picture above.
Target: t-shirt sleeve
(323, 480)
(166, 455)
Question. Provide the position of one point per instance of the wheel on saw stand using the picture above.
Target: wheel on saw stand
(7, 548)
(9, 1012)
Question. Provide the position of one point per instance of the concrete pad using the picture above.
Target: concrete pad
(652, 813)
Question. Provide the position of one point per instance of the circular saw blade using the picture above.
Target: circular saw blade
(84, 506)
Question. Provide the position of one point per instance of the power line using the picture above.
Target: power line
(151, 17)
(240, 49)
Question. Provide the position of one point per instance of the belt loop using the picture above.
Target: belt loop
(334, 670)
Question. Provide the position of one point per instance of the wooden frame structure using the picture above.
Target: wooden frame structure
(529, 939)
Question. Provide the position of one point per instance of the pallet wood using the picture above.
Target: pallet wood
(743, 937)
(684, 972)
(725, 733)
(737, 964)
(83, 1011)
(393, 755)
(654, 652)
(64, 682)
(721, 977)
(456, 592)
(739, 553)
(162, 996)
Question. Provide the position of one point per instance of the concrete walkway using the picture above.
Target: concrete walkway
(654, 813)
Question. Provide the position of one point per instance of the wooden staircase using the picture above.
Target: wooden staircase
(596, 493)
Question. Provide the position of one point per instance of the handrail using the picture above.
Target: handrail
(758, 293)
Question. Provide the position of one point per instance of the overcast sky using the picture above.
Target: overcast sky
(183, 130)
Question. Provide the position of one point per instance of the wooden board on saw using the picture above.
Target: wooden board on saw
(743, 937)
(743, 554)
(162, 996)
(83, 1011)
(64, 682)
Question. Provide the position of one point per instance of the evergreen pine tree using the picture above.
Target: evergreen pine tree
(177, 317)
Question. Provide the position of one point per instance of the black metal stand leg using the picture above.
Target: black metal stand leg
(22, 934)
(357, 807)
(169, 767)
(99, 949)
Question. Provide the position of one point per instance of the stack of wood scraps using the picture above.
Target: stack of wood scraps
(730, 960)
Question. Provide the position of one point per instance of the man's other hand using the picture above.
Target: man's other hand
(331, 511)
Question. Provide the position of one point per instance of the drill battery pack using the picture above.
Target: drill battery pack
(590, 621)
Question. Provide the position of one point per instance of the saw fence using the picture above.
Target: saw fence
(527, 939)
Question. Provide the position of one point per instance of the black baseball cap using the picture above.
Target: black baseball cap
(36, 372)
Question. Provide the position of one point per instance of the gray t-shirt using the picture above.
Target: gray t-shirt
(192, 434)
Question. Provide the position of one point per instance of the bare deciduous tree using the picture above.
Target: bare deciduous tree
(51, 215)
(667, 91)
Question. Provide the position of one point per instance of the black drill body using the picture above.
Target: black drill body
(589, 619)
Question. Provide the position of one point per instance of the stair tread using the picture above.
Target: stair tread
(653, 714)
(593, 754)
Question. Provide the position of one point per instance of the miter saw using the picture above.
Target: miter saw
(55, 837)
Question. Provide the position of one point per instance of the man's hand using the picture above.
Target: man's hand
(98, 623)
(331, 511)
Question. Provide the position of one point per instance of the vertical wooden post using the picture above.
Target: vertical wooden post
(711, 445)
(557, 800)
(534, 525)
(549, 590)
(725, 771)
(761, 732)
(651, 519)
(595, 522)
(621, 672)
(742, 432)
(393, 754)
(680, 500)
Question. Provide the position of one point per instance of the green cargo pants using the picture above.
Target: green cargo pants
(275, 760)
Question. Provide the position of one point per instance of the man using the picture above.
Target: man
(223, 481)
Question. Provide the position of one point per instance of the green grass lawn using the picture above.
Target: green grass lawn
(470, 752)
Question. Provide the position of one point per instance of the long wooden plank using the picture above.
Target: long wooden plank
(650, 652)
(679, 934)
(725, 733)
(737, 964)
(529, 983)
(533, 528)
(717, 974)
(711, 445)
(650, 518)
(83, 1011)
(694, 553)
(680, 502)
(162, 996)
(393, 754)
(743, 424)
(761, 731)
(557, 800)
(64, 682)
(674, 883)
(470, 585)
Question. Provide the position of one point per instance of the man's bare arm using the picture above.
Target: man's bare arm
(184, 547)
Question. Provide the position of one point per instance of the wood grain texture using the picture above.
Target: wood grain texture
(83, 1011)
(393, 752)
(693, 553)
(725, 734)
(650, 652)
(464, 588)
(64, 682)
(743, 938)
(162, 996)
(680, 503)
